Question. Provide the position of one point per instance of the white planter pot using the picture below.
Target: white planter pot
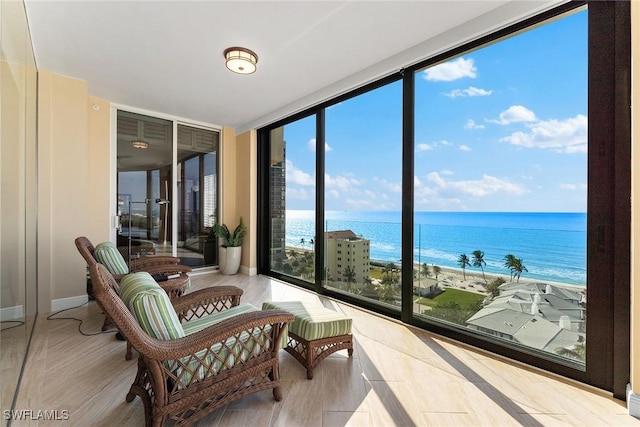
(230, 259)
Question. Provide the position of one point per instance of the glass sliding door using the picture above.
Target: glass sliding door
(198, 154)
(501, 190)
(363, 197)
(144, 156)
(292, 175)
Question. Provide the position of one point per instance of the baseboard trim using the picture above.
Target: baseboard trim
(71, 302)
(11, 313)
(633, 402)
(248, 271)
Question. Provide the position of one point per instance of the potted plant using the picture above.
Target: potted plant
(231, 247)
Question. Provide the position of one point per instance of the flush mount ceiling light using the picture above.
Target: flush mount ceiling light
(240, 60)
(139, 144)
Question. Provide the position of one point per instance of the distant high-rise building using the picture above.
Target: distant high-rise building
(278, 189)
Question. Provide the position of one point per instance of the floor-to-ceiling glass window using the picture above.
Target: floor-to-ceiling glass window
(362, 195)
(506, 165)
(292, 175)
(500, 193)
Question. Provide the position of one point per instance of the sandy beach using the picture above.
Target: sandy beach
(472, 281)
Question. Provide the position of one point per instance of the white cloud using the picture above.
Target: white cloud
(485, 186)
(514, 114)
(312, 145)
(395, 187)
(473, 125)
(564, 136)
(573, 187)
(452, 70)
(470, 91)
(298, 194)
(340, 182)
(464, 148)
(332, 194)
(297, 176)
(428, 147)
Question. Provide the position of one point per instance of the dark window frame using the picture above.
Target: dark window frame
(608, 207)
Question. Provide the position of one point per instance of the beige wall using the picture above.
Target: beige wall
(98, 221)
(635, 196)
(73, 178)
(228, 208)
(246, 195)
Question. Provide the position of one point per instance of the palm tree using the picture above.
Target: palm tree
(426, 271)
(302, 241)
(578, 352)
(389, 268)
(518, 268)
(349, 276)
(436, 271)
(293, 254)
(509, 262)
(478, 261)
(463, 262)
(386, 290)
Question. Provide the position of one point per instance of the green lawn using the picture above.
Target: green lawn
(463, 298)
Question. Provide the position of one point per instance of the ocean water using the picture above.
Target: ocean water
(552, 246)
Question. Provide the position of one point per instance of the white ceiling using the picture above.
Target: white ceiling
(166, 56)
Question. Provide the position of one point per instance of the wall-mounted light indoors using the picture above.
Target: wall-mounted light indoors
(139, 144)
(240, 60)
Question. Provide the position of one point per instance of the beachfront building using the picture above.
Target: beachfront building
(346, 252)
(537, 315)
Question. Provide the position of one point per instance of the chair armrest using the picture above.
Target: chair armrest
(166, 269)
(206, 301)
(216, 353)
(162, 350)
(141, 264)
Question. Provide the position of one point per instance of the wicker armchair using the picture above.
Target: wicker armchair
(155, 265)
(181, 380)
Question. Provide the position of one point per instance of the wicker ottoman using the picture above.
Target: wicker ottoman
(316, 332)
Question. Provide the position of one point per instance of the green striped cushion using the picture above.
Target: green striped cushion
(108, 255)
(151, 307)
(312, 320)
(210, 362)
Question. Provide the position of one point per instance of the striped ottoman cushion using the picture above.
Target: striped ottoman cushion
(108, 255)
(151, 307)
(312, 320)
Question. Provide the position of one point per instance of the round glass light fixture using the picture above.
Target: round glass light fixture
(139, 144)
(240, 60)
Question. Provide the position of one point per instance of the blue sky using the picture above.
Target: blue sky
(502, 128)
